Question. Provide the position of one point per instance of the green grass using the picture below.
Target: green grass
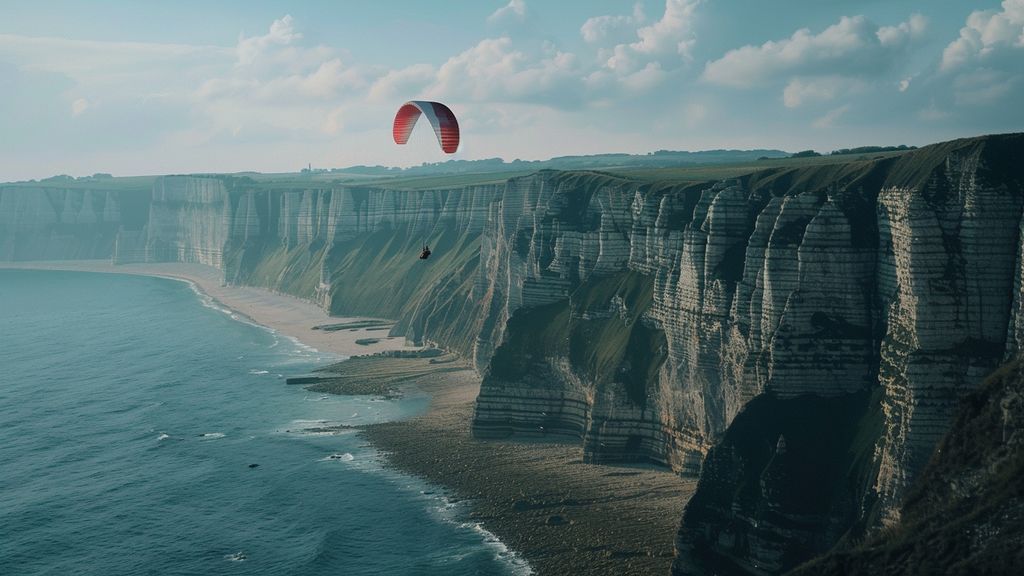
(963, 513)
(124, 183)
(729, 171)
(597, 347)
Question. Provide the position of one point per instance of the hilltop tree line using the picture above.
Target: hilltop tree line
(859, 150)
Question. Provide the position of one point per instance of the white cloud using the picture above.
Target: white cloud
(618, 29)
(277, 85)
(335, 121)
(514, 9)
(900, 34)
(982, 72)
(987, 33)
(668, 41)
(853, 46)
(282, 33)
(403, 83)
(494, 71)
(801, 91)
(829, 120)
(78, 106)
(105, 63)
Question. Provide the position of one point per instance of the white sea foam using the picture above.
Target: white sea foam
(163, 437)
(302, 351)
(346, 457)
(207, 300)
(211, 435)
(502, 553)
(236, 557)
(258, 372)
(452, 512)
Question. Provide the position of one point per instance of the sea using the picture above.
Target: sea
(144, 429)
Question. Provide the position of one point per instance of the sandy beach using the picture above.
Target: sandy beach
(540, 499)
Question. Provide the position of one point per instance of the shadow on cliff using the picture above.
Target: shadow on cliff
(965, 513)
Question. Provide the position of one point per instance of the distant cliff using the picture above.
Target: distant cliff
(50, 222)
(800, 336)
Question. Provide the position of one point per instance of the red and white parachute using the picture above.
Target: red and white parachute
(446, 127)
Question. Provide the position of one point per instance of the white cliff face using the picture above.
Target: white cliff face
(947, 277)
(823, 286)
(48, 223)
(750, 292)
(190, 220)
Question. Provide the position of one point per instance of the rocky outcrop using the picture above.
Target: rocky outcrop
(936, 294)
(965, 513)
(777, 488)
(946, 273)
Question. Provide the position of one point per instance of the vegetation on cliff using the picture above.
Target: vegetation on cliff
(965, 513)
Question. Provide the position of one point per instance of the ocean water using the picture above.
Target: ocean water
(130, 413)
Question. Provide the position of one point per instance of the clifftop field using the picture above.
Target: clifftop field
(698, 166)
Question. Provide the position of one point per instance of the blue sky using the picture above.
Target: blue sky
(144, 87)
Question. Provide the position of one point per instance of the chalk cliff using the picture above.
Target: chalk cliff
(48, 223)
(800, 324)
(965, 513)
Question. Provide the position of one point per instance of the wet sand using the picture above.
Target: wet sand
(540, 499)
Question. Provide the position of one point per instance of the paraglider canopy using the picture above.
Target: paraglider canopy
(446, 127)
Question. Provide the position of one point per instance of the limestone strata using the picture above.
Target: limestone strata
(754, 288)
(190, 220)
(46, 223)
(917, 316)
(947, 277)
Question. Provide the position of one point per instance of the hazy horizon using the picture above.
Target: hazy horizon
(271, 87)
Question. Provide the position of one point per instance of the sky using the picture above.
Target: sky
(127, 87)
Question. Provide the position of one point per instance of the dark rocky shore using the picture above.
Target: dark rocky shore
(539, 498)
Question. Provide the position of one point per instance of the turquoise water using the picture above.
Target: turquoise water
(130, 413)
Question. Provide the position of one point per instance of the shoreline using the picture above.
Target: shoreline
(289, 315)
(538, 498)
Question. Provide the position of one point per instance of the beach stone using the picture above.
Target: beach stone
(555, 520)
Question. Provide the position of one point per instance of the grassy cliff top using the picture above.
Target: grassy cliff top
(909, 168)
